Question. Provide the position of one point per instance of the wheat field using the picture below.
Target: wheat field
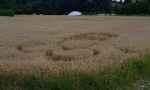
(56, 44)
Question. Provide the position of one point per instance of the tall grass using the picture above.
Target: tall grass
(120, 77)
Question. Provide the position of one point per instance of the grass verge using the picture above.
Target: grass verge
(109, 79)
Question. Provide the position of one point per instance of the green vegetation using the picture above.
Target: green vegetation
(6, 13)
(109, 79)
(59, 7)
(139, 7)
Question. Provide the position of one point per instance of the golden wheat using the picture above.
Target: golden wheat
(59, 43)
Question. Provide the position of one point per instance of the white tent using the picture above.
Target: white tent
(74, 13)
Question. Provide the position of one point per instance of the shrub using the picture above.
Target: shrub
(7, 13)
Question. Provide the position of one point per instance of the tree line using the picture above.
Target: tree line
(133, 7)
(56, 6)
(59, 7)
